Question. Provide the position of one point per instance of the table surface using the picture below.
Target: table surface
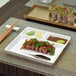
(64, 66)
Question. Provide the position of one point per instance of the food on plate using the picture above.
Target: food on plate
(62, 14)
(39, 46)
(60, 41)
(30, 33)
(39, 34)
(57, 39)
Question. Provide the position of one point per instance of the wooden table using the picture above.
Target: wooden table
(12, 66)
(14, 8)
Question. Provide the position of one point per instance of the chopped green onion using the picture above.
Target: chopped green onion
(30, 33)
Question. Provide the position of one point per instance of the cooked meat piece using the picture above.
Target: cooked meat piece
(39, 46)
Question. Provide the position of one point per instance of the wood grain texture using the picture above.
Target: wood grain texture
(14, 71)
(3, 36)
(14, 8)
(41, 13)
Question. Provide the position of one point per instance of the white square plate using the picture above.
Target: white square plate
(14, 48)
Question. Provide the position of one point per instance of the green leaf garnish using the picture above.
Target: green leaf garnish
(39, 44)
(25, 43)
(51, 51)
(34, 40)
(46, 42)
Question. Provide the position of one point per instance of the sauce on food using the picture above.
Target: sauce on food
(57, 39)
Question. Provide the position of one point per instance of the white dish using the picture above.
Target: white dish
(14, 47)
(45, 1)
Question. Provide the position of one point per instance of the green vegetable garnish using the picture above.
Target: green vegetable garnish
(39, 44)
(25, 43)
(51, 51)
(65, 14)
(58, 9)
(30, 33)
(46, 42)
(34, 40)
(71, 10)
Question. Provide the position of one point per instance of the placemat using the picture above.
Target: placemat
(66, 66)
(3, 2)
